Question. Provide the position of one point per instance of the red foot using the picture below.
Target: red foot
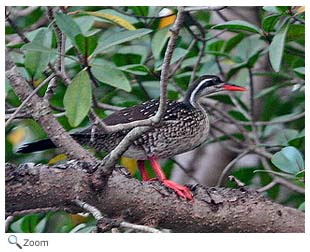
(180, 190)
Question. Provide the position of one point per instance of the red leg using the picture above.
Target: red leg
(142, 170)
(180, 190)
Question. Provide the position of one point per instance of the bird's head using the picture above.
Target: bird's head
(206, 85)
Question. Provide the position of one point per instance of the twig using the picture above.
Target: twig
(177, 66)
(223, 144)
(110, 160)
(37, 211)
(237, 105)
(184, 170)
(226, 116)
(236, 181)
(285, 120)
(62, 75)
(202, 49)
(108, 106)
(217, 61)
(91, 209)
(222, 16)
(165, 67)
(143, 88)
(208, 8)
(280, 180)
(139, 16)
(236, 140)
(18, 116)
(41, 22)
(23, 12)
(8, 222)
(15, 27)
(95, 212)
(252, 116)
(262, 152)
(229, 167)
(140, 228)
(28, 98)
(200, 55)
(61, 50)
(267, 187)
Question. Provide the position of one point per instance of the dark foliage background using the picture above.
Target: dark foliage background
(261, 133)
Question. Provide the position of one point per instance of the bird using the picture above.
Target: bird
(184, 126)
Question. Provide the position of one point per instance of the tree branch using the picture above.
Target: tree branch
(28, 98)
(41, 112)
(31, 186)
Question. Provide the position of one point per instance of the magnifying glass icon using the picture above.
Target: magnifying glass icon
(13, 240)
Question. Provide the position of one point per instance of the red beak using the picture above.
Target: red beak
(232, 87)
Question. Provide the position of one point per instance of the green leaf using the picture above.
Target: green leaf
(16, 226)
(249, 47)
(86, 23)
(37, 61)
(108, 40)
(86, 229)
(284, 136)
(135, 49)
(272, 9)
(270, 22)
(288, 160)
(281, 174)
(300, 72)
(68, 26)
(178, 53)
(216, 46)
(87, 45)
(159, 40)
(296, 32)
(301, 174)
(77, 99)
(111, 76)
(231, 43)
(283, 9)
(41, 225)
(302, 207)
(136, 69)
(237, 25)
(277, 47)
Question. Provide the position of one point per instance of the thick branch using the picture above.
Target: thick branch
(32, 186)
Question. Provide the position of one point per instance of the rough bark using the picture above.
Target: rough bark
(31, 186)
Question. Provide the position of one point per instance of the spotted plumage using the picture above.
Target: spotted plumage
(162, 141)
(184, 126)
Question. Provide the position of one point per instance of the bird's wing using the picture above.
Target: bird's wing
(139, 112)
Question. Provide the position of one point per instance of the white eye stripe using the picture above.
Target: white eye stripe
(193, 94)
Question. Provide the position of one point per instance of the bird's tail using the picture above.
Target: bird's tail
(40, 145)
(47, 144)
